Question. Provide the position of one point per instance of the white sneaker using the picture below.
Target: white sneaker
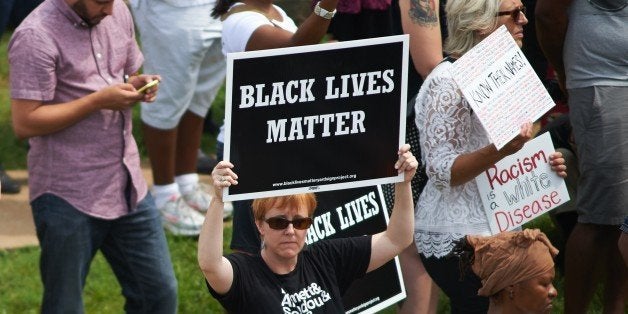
(200, 198)
(181, 219)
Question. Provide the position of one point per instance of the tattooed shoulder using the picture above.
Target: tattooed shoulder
(424, 12)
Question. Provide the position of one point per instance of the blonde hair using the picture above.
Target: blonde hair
(262, 205)
(465, 20)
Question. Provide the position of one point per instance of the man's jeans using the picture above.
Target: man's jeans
(134, 245)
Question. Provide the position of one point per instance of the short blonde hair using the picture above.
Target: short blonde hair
(465, 20)
(262, 205)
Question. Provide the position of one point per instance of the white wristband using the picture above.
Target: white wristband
(322, 12)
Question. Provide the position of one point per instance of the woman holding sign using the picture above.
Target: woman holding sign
(285, 277)
(255, 25)
(456, 149)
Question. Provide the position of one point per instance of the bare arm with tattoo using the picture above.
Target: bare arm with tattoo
(419, 19)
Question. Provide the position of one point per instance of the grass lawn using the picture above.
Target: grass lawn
(20, 287)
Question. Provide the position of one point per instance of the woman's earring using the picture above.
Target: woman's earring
(263, 246)
(511, 294)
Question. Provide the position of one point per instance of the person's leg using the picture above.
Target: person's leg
(179, 217)
(69, 240)
(197, 195)
(166, 53)
(211, 79)
(583, 250)
(169, 53)
(616, 280)
(188, 142)
(592, 252)
(161, 146)
(565, 223)
(137, 251)
(209, 68)
(598, 116)
(160, 118)
(463, 294)
(210, 75)
(422, 292)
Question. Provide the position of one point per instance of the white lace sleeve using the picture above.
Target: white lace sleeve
(443, 121)
(447, 129)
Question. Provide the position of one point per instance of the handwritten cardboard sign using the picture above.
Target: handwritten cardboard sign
(501, 86)
(522, 186)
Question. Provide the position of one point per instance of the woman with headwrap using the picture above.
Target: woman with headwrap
(516, 269)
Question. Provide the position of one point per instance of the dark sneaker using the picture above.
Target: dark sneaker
(9, 186)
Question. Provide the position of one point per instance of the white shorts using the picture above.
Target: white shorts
(183, 45)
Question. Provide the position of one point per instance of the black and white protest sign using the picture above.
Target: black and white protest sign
(315, 118)
(357, 212)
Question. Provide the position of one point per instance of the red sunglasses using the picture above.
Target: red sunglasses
(515, 14)
(280, 223)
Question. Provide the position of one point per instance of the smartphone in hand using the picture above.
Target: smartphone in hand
(150, 84)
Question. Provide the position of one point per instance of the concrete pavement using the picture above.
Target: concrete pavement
(16, 220)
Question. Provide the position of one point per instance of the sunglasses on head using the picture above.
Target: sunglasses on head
(515, 14)
(280, 223)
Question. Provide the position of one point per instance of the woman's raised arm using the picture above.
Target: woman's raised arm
(389, 243)
(216, 268)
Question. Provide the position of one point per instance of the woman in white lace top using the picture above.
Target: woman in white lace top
(456, 149)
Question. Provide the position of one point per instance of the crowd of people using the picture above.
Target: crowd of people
(77, 70)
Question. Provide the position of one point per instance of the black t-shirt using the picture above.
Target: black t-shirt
(323, 273)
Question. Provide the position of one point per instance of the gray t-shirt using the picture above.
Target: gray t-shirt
(596, 45)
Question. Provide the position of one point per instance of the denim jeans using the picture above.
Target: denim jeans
(134, 245)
